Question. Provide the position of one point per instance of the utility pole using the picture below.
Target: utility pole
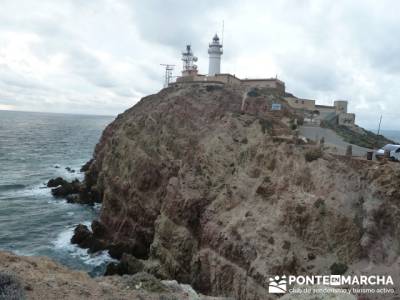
(378, 132)
(168, 73)
(379, 127)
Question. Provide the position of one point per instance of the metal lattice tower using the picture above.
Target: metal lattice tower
(189, 60)
(168, 73)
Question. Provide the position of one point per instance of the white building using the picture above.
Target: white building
(214, 52)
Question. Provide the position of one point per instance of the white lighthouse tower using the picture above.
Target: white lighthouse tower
(214, 54)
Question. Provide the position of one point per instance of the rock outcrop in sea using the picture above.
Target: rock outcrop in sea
(207, 186)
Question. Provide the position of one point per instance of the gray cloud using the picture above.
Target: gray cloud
(102, 56)
(174, 22)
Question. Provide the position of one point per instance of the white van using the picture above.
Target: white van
(394, 151)
(395, 154)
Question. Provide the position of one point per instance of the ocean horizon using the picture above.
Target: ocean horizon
(58, 113)
(392, 134)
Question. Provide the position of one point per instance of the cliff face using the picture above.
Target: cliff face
(200, 182)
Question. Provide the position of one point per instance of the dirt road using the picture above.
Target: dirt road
(332, 140)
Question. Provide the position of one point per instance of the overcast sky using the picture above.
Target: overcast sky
(102, 56)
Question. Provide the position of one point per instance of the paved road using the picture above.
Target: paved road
(331, 139)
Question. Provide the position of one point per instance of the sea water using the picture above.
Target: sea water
(35, 147)
(392, 134)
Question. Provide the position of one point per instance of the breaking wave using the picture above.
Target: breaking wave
(63, 244)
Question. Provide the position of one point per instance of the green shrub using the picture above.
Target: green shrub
(266, 125)
(320, 205)
(211, 88)
(313, 154)
(338, 268)
(254, 93)
(10, 287)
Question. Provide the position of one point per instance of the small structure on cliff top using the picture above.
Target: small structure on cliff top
(313, 114)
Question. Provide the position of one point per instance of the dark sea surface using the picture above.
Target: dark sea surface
(35, 147)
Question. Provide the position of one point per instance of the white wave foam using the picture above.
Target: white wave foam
(63, 243)
(67, 175)
(35, 190)
(23, 253)
(97, 207)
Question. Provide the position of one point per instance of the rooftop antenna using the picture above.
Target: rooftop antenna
(168, 73)
(223, 29)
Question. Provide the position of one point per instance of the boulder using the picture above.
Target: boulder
(70, 170)
(96, 245)
(98, 229)
(72, 198)
(128, 265)
(82, 236)
(55, 182)
(66, 188)
(116, 250)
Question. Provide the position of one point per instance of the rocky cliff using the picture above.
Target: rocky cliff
(205, 185)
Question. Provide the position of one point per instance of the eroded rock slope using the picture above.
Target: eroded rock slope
(208, 187)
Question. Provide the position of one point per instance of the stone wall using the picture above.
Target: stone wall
(326, 112)
(234, 81)
(298, 103)
(225, 78)
(264, 83)
(191, 78)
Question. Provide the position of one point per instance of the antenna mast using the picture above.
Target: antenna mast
(223, 29)
(168, 73)
(379, 127)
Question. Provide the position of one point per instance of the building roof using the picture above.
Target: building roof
(263, 79)
(325, 106)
